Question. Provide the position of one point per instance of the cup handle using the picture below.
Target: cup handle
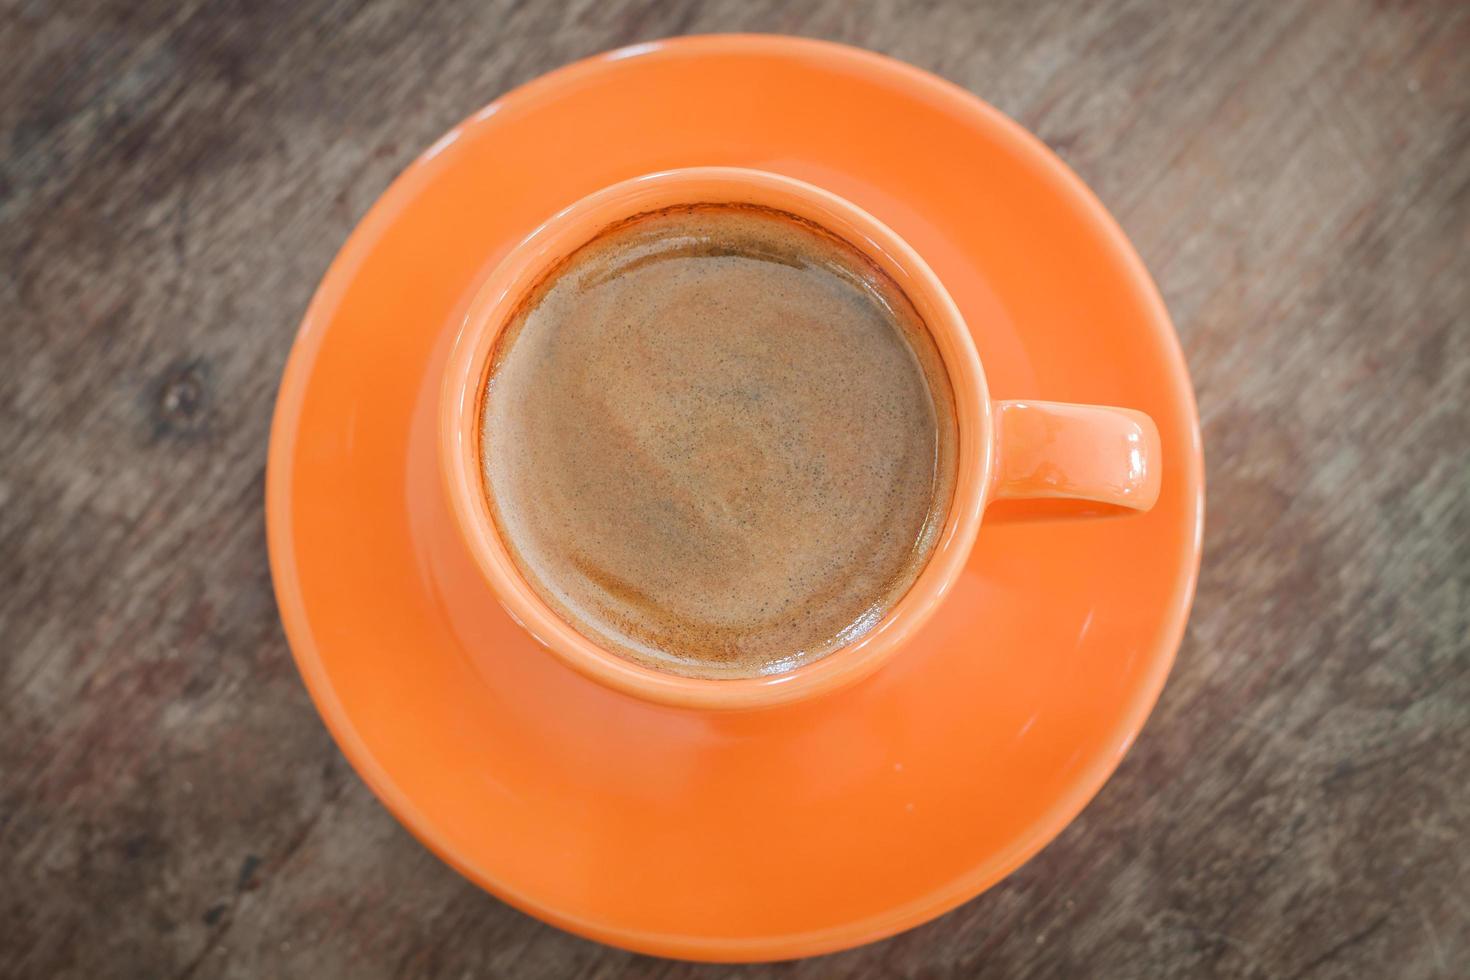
(1054, 450)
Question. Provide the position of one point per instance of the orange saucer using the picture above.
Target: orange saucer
(765, 834)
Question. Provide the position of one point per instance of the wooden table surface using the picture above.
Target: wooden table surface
(176, 177)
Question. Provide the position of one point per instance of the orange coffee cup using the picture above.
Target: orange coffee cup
(1006, 449)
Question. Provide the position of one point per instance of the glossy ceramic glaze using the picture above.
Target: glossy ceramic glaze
(767, 833)
(1049, 450)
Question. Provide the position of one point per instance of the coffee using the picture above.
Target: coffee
(718, 440)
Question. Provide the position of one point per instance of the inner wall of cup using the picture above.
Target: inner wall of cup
(535, 273)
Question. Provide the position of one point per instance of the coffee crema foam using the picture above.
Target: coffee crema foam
(718, 441)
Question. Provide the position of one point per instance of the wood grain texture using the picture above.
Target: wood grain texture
(176, 177)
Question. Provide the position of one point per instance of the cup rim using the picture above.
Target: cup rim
(462, 393)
